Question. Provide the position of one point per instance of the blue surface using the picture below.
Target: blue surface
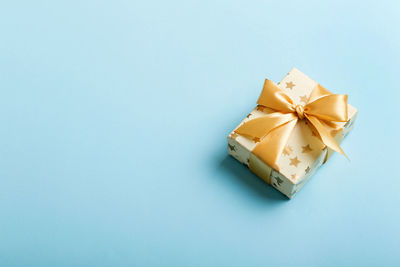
(114, 120)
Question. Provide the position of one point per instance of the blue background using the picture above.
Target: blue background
(114, 117)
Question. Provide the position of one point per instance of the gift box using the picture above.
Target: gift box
(294, 129)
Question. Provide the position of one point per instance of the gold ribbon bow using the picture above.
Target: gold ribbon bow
(273, 130)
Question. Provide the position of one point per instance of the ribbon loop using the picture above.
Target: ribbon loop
(329, 108)
(273, 97)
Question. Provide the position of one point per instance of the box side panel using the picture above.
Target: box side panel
(242, 154)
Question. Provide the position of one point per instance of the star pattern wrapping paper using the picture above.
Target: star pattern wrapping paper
(304, 153)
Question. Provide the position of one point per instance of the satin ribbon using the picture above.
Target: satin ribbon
(273, 130)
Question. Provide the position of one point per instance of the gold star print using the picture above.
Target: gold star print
(234, 135)
(260, 108)
(290, 85)
(304, 99)
(306, 149)
(231, 147)
(287, 150)
(294, 176)
(294, 161)
(256, 139)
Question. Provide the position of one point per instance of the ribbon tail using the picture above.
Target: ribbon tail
(272, 145)
(324, 135)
